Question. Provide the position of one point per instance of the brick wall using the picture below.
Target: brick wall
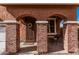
(12, 38)
(71, 38)
(39, 12)
(10, 12)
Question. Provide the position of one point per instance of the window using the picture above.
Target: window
(52, 25)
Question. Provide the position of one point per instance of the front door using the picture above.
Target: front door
(30, 31)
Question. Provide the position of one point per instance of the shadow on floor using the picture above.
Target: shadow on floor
(27, 49)
(55, 45)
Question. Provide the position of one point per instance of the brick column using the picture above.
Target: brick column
(12, 37)
(71, 36)
(42, 45)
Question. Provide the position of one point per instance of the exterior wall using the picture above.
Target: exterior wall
(39, 12)
(22, 32)
(58, 29)
(12, 38)
(5, 14)
(71, 37)
(12, 12)
(41, 37)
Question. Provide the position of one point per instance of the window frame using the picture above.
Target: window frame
(54, 19)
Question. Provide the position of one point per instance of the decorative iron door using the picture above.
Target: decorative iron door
(30, 32)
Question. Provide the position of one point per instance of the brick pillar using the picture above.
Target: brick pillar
(42, 45)
(12, 37)
(71, 37)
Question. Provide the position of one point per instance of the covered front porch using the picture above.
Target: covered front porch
(39, 28)
(46, 39)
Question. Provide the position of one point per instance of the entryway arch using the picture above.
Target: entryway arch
(56, 32)
(27, 32)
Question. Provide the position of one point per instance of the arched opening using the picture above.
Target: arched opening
(30, 24)
(27, 33)
(55, 33)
